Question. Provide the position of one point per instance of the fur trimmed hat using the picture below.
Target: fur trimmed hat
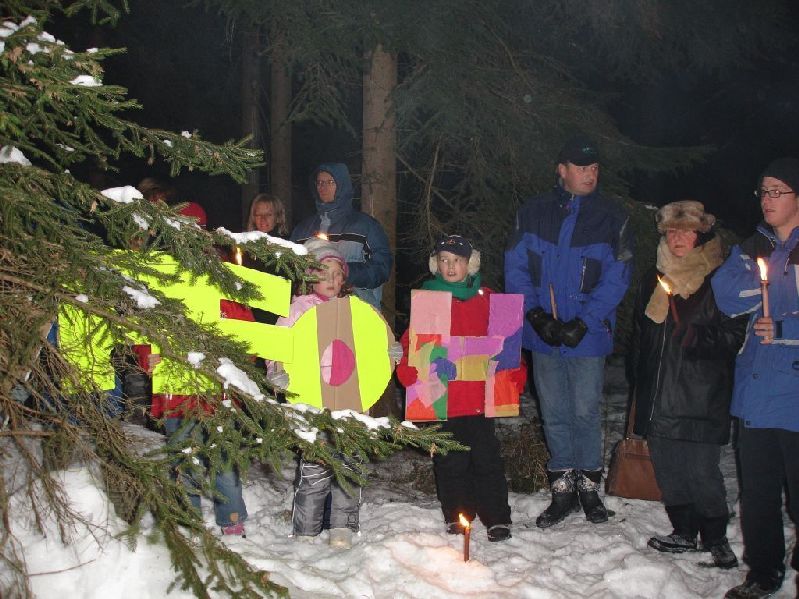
(784, 169)
(460, 246)
(322, 249)
(687, 215)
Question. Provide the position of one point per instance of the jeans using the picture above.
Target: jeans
(229, 508)
(569, 393)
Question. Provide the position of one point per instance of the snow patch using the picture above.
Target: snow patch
(123, 195)
(86, 81)
(141, 220)
(143, 299)
(195, 358)
(368, 421)
(11, 155)
(248, 236)
(235, 377)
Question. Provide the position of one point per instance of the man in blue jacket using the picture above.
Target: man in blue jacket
(358, 236)
(570, 256)
(766, 394)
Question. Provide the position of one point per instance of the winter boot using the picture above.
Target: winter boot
(588, 487)
(683, 537)
(752, 589)
(499, 533)
(340, 538)
(713, 532)
(564, 498)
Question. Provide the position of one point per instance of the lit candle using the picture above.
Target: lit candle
(763, 266)
(238, 257)
(321, 235)
(672, 307)
(467, 532)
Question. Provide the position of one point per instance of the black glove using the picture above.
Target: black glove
(548, 328)
(573, 332)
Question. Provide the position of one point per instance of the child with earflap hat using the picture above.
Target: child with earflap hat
(472, 482)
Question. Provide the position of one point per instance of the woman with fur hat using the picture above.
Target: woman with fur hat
(472, 482)
(683, 352)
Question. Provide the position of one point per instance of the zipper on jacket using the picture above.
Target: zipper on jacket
(582, 276)
(657, 377)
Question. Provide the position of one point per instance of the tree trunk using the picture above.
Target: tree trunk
(379, 174)
(280, 127)
(379, 177)
(250, 119)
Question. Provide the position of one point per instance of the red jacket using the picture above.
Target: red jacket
(468, 318)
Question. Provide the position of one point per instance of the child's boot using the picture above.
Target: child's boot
(341, 538)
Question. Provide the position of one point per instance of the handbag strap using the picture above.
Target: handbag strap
(630, 420)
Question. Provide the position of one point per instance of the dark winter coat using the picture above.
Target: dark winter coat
(683, 374)
(358, 237)
(582, 247)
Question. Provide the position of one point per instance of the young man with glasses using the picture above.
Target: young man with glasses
(766, 395)
(357, 236)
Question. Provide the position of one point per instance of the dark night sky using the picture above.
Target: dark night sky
(182, 66)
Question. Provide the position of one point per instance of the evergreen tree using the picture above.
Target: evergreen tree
(488, 91)
(60, 253)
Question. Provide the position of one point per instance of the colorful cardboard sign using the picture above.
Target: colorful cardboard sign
(490, 358)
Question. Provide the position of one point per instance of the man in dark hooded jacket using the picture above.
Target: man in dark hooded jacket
(358, 236)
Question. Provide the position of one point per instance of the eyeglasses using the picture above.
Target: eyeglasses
(323, 183)
(772, 193)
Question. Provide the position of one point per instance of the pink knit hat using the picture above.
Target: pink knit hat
(322, 249)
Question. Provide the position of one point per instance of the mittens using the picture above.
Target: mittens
(573, 332)
(547, 327)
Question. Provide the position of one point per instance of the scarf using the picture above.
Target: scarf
(684, 275)
(462, 290)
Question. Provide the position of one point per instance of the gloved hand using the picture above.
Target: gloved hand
(395, 352)
(573, 332)
(279, 379)
(547, 327)
(445, 368)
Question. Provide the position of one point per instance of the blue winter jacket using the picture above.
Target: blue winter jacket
(582, 246)
(359, 237)
(766, 393)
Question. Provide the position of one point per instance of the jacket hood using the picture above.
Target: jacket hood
(342, 203)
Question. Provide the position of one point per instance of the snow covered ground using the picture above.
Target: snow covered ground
(402, 551)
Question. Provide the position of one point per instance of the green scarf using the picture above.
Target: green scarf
(463, 290)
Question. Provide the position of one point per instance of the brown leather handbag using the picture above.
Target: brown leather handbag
(631, 473)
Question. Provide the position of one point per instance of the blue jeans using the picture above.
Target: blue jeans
(227, 483)
(569, 393)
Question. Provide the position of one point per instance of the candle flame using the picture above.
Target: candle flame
(761, 264)
(665, 285)
(322, 236)
(464, 522)
(238, 258)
